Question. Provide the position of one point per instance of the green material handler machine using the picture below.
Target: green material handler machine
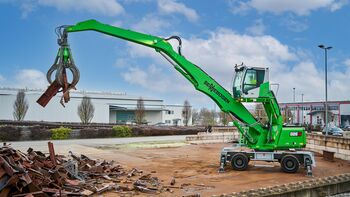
(271, 142)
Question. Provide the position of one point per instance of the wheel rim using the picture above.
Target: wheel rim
(290, 164)
(239, 162)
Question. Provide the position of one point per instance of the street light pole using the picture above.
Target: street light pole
(293, 95)
(294, 108)
(302, 108)
(326, 99)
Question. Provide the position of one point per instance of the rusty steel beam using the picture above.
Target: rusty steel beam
(52, 153)
(7, 167)
(50, 92)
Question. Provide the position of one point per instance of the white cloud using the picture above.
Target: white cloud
(303, 76)
(226, 48)
(27, 7)
(151, 24)
(153, 78)
(135, 76)
(101, 7)
(295, 6)
(136, 50)
(239, 7)
(347, 62)
(173, 7)
(295, 25)
(217, 55)
(338, 5)
(2, 78)
(337, 87)
(123, 63)
(137, 1)
(221, 53)
(117, 23)
(258, 28)
(30, 78)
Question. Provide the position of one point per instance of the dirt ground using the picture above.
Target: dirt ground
(196, 168)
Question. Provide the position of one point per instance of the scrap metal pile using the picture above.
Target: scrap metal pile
(36, 174)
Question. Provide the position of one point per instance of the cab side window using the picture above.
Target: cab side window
(253, 79)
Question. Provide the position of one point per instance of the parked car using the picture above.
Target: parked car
(160, 124)
(336, 131)
(346, 128)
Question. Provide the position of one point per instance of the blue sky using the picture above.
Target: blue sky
(282, 35)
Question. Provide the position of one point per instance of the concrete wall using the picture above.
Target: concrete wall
(339, 145)
(218, 135)
(153, 117)
(204, 138)
(320, 187)
(225, 129)
(315, 142)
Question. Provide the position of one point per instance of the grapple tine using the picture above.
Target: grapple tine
(73, 69)
(64, 60)
(75, 74)
(60, 68)
(52, 69)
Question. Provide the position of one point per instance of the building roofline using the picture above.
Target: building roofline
(158, 105)
(316, 102)
(91, 94)
(124, 99)
(175, 105)
(74, 91)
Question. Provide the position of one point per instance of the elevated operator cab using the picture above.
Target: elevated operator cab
(247, 81)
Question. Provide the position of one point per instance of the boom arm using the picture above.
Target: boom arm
(200, 80)
(254, 134)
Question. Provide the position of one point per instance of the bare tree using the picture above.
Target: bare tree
(140, 111)
(207, 117)
(186, 112)
(288, 116)
(86, 110)
(195, 117)
(224, 118)
(260, 113)
(20, 107)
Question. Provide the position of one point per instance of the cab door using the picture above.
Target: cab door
(253, 78)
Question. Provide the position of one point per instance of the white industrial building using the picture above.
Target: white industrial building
(109, 108)
(314, 112)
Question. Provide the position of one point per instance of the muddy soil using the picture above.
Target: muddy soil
(195, 167)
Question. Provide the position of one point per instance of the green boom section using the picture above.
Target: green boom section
(256, 136)
(201, 80)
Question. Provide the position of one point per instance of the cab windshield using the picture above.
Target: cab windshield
(238, 80)
(246, 80)
(253, 79)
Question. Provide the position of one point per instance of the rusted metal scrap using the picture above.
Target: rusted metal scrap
(51, 91)
(37, 174)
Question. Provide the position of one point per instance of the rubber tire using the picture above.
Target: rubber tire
(289, 164)
(239, 162)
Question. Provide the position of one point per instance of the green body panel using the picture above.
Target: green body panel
(287, 140)
(256, 135)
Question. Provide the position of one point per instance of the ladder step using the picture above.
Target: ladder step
(263, 165)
